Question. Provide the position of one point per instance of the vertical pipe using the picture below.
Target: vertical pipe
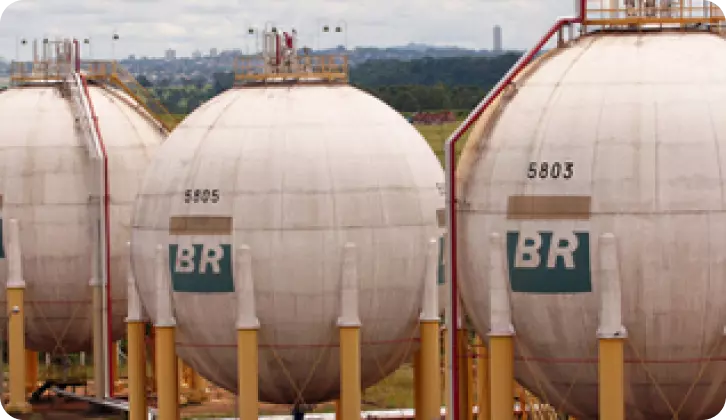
(482, 371)
(501, 350)
(16, 329)
(429, 377)
(136, 362)
(349, 326)
(247, 340)
(611, 334)
(31, 370)
(168, 383)
(99, 378)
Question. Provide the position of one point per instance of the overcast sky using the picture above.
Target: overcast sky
(148, 27)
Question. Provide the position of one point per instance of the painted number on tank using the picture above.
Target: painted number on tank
(549, 261)
(201, 268)
(201, 196)
(554, 170)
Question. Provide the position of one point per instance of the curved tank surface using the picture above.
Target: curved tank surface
(294, 173)
(46, 182)
(622, 134)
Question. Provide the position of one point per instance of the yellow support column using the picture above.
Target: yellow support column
(180, 373)
(166, 362)
(152, 359)
(338, 414)
(31, 370)
(417, 411)
(197, 386)
(482, 375)
(16, 328)
(464, 373)
(522, 401)
(349, 325)
(248, 395)
(447, 379)
(501, 342)
(429, 355)
(611, 334)
(136, 348)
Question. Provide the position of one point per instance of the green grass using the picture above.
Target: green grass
(436, 136)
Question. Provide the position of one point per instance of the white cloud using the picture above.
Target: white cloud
(148, 27)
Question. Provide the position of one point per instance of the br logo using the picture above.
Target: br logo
(549, 262)
(201, 268)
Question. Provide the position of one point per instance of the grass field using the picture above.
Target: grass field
(436, 136)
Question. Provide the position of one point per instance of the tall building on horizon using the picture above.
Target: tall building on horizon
(213, 52)
(170, 54)
(497, 39)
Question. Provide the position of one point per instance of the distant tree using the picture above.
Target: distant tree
(223, 81)
(144, 81)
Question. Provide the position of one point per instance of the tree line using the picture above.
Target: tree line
(428, 84)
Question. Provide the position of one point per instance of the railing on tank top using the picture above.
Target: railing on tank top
(679, 14)
(326, 68)
(111, 72)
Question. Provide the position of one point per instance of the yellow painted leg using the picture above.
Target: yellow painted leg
(152, 359)
(16, 350)
(197, 386)
(501, 370)
(482, 370)
(447, 381)
(350, 380)
(430, 371)
(247, 363)
(463, 375)
(168, 383)
(611, 377)
(31, 370)
(417, 397)
(470, 384)
(137, 371)
(522, 401)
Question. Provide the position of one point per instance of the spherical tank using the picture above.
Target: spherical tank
(294, 173)
(620, 134)
(46, 181)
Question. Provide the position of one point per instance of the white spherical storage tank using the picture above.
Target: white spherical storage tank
(295, 173)
(46, 183)
(620, 134)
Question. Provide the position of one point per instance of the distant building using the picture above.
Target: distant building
(170, 54)
(497, 39)
(212, 52)
(197, 54)
(132, 57)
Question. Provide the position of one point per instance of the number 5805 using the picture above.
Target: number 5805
(552, 170)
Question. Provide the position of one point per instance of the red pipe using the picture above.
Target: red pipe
(107, 228)
(277, 49)
(451, 201)
(77, 48)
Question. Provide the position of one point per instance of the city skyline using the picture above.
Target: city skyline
(150, 27)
